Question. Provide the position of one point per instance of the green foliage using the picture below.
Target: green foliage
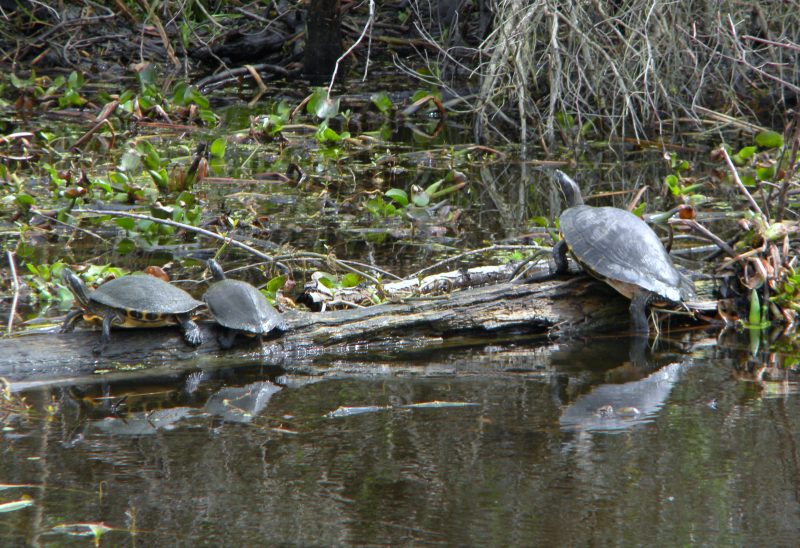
(399, 195)
(769, 139)
(382, 102)
(400, 201)
(217, 148)
(787, 294)
(324, 134)
(377, 207)
(72, 96)
(333, 282)
(758, 316)
(273, 286)
(321, 106)
(678, 182)
(44, 280)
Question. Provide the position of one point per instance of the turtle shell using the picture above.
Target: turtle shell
(623, 250)
(144, 297)
(240, 306)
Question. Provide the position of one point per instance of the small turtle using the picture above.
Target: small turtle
(133, 301)
(620, 249)
(239, 308)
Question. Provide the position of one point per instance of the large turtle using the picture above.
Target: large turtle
(239, 308)
(619, 248)
(133, 301)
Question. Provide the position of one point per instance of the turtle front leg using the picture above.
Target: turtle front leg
(191, 331)
(639, 323)
(71, 319)
(105, 337)
(560, 257)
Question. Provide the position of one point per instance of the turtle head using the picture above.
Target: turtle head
(570, 189)
(216, 271)
(76, 286)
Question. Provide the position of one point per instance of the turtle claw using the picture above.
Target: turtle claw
(193, 335)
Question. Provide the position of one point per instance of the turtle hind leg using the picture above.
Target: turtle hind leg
(639, 322)
(226, 337)
(560, 257)
(71, 319)
(192, 333)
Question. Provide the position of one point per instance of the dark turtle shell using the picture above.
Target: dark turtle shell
(144, 297)
(240, 306)
(619, 247)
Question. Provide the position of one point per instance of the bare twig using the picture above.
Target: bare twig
(490, 249)
(743, 189)
(787, 177)
(367, 27)
(703, 231)
(227, 239)
(15, 287)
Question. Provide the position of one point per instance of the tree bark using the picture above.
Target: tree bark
(323, 40)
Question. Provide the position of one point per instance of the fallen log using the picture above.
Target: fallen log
(575, 305)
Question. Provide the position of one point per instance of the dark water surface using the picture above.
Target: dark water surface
(591, 443)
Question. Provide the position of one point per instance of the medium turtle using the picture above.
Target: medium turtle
(239, 308)
(133, 301)
(619, 248)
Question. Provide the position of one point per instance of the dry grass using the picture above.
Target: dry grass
(634, 67)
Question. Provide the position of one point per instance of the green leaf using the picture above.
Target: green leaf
(748, 180)
(117, 178)
(130, 162)
(398, 195)
(325, 134)
(218, 147)
(25, 200)
(126, 246)
(743, 155)
(433, 188)
(160, 177)
(769, 139)
(351, 279)
(186, 199)
(147, 76)
(75, 80)
(126, 223)
(421, 199)
(327, 280)
(382, 102)
(321, 106)
(754, 318)
(275, 284)
(540, 221)
(149, 154)
(674, 184)
(765, 173)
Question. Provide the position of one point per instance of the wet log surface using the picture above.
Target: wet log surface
(472, 316)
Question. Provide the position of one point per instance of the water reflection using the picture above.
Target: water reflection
(610, 407)
(257, 457)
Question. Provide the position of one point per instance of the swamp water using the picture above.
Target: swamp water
(575, 443)
(597, 442)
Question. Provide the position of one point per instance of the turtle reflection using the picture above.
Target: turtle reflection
(610, 407)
